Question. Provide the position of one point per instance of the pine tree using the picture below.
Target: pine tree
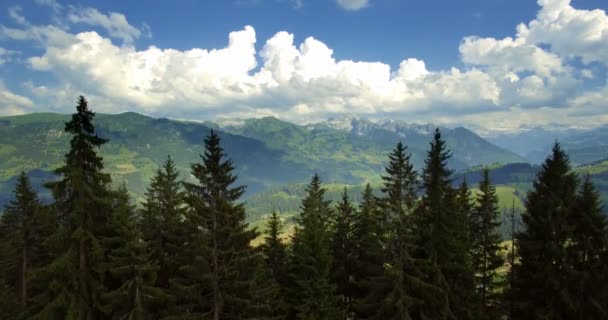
(440, 234)
(400, 184)
(163, 228)
(485, 251)
(274, 271)
(342, 246)
(405, 292)
(369, 254)
(587, 251)
(24, 227)
(465, 210)
(540, 288)
(82, 203)
(130, 276)
(216, 281)
(312, 295)
(19, 238)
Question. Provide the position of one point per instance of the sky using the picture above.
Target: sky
(490, 65)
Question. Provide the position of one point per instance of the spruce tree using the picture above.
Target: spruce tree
(485, 250)
(540, 285)
(400, 184)
(83, 205)
(440, 234)
(273, 272)
(587, 251)
(311, 293)
(24, 227)
(130, 277)
(369, 254)
(162, 226)
(342, 246)
(19, 238)
(219, 271)
(274, 249)
(405, 291)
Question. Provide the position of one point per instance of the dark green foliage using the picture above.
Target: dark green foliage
(400, 185)
(485, 248)
(274, 249)
(369, 254)
(343, 252)
(219, 267)
(130, 276)
(404, 290)
(23, 228)
(275, 267)
(440, 234)
(540, 288)
(312, 294)
(162, 227)
(587, 251)
(83, 206)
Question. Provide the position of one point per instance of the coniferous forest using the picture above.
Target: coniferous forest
(424, 249)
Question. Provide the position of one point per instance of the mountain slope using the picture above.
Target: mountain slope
(267, 152)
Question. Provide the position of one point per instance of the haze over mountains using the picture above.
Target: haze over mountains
(268, 152)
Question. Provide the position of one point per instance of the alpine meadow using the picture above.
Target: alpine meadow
(333, 160)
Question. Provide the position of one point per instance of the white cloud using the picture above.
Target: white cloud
(12, 103)
(114, 23)
(5, 55)
(15, 13)
(353, 5)
(503, 83)
(570, 32)
(54, 5)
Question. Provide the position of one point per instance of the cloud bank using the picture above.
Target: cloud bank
(535, 77)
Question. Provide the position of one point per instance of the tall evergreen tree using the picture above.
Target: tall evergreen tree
(407, 294)
(440, 233)
(275, 257)
(464, 206)
(400, 184)
(485, 251)
(24, 227)
(162, 226)
(587, 250)
(312, 294)
(130, 276)
(342, 246)
(274, 249)
(540, 286)
(83, 204)
(218, 278)
(369, 254)
(19, 237)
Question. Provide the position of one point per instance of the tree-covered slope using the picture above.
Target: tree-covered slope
(267, 152)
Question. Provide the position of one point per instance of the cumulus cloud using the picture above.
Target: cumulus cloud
(353, 5)
(503, 83)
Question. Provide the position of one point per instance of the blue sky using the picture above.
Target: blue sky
(494, 65)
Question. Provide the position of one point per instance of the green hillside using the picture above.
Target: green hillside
(267, 152)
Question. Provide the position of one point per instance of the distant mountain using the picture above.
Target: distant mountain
(267, 152)
(531, 140)
(583, 146)
(468, 148)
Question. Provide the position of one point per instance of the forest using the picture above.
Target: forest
(423, 249)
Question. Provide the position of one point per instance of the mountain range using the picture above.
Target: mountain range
(267, 152)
